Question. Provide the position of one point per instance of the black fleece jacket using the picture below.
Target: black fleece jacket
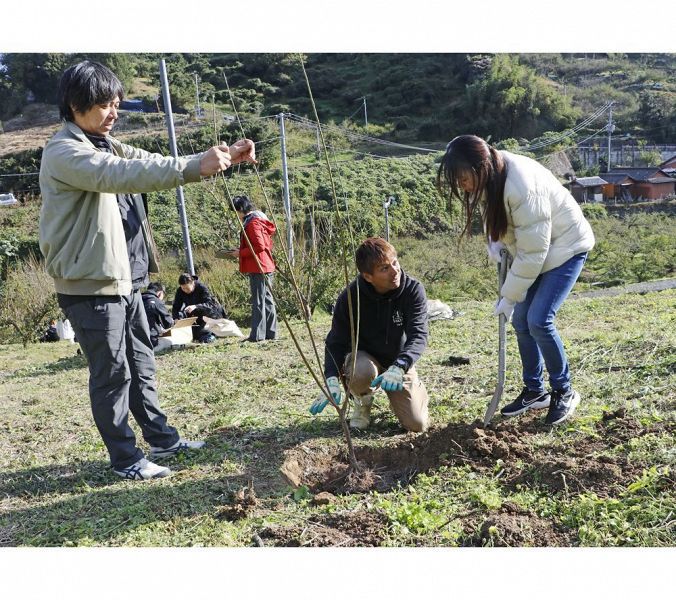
(392, 326)
(205, 304)
(159, 319)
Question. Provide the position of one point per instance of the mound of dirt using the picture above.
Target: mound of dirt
(513, 526)
(583, 464)
(359, 528)
(242, 503)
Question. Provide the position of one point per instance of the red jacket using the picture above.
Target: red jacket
(259, 231)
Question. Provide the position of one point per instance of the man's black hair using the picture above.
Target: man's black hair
(184, 278)
(84, 85)
(156, 287)
(242, 204)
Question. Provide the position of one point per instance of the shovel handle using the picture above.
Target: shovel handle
(505, 261)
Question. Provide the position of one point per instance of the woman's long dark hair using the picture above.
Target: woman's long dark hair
(471, 154)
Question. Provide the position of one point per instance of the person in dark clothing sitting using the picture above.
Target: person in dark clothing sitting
(193, 299)
(159, 319)
(51, 335)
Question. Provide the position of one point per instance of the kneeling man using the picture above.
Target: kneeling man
(391, 319)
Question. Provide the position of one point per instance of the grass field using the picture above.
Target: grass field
(603, 479)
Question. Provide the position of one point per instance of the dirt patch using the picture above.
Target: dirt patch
(242, 503)
(583, 464)
(400, 460)
(454, 361)
(513, 526)
(351, 529)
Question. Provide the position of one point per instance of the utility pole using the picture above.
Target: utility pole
(180, 200)
(366, 118)
(198, 111)
(213, 109)
(319, 144)
(285, 177)
(610, 131)
(386, 206)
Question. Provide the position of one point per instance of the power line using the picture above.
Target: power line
(568, 132)
(574, 145)
(356, 136)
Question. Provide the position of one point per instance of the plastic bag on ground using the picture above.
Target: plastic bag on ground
(65, 330)
(437, 310)
(222, 327)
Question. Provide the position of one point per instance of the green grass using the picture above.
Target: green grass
(250, 404)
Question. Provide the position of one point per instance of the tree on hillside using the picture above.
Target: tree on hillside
(36, 76)
(657, 115)
(511, 100)
(29, 74)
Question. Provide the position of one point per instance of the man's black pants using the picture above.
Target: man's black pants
(114, 335)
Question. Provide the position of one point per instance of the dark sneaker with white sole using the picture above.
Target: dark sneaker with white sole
(525, 401)
(562, 406)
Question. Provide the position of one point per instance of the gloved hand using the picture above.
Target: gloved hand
(391, 380)
(493, 249)
(336, 393)
(504, 307)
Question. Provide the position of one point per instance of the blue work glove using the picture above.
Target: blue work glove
(504, 307)
(336, 392)
(391, 380)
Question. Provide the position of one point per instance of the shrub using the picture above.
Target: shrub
(594, 212)
(27, 300)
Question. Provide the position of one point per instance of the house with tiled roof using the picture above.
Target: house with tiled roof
(669, 166)
(587, 189)
(647, 183)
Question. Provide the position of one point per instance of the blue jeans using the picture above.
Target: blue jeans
(533, 321)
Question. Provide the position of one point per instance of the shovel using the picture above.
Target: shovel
(505, 261)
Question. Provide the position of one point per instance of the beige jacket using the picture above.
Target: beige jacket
(546, 226)
(81, 232)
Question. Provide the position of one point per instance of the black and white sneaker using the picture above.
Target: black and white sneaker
(180, 446)
(143, 469)
(562, 406)
(525, 401)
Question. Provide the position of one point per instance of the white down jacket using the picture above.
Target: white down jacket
(545, 228)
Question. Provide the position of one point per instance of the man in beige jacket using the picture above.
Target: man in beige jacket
(97, 244)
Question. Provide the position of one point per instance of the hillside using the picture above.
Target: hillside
(413, 97)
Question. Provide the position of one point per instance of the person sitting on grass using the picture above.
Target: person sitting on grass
(392, 335)
(159, 319)
(51, 334)
(193, 299)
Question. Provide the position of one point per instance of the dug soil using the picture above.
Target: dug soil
(358, 528)
(510, 450)
(585, 463)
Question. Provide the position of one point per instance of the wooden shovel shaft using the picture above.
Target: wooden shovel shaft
(502, 343)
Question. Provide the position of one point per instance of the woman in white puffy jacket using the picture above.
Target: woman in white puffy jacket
(525, 208)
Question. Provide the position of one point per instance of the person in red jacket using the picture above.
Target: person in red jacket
(259, 266)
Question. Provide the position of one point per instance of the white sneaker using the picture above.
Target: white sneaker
(179, 446)
(143, 469)
(361, 411)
